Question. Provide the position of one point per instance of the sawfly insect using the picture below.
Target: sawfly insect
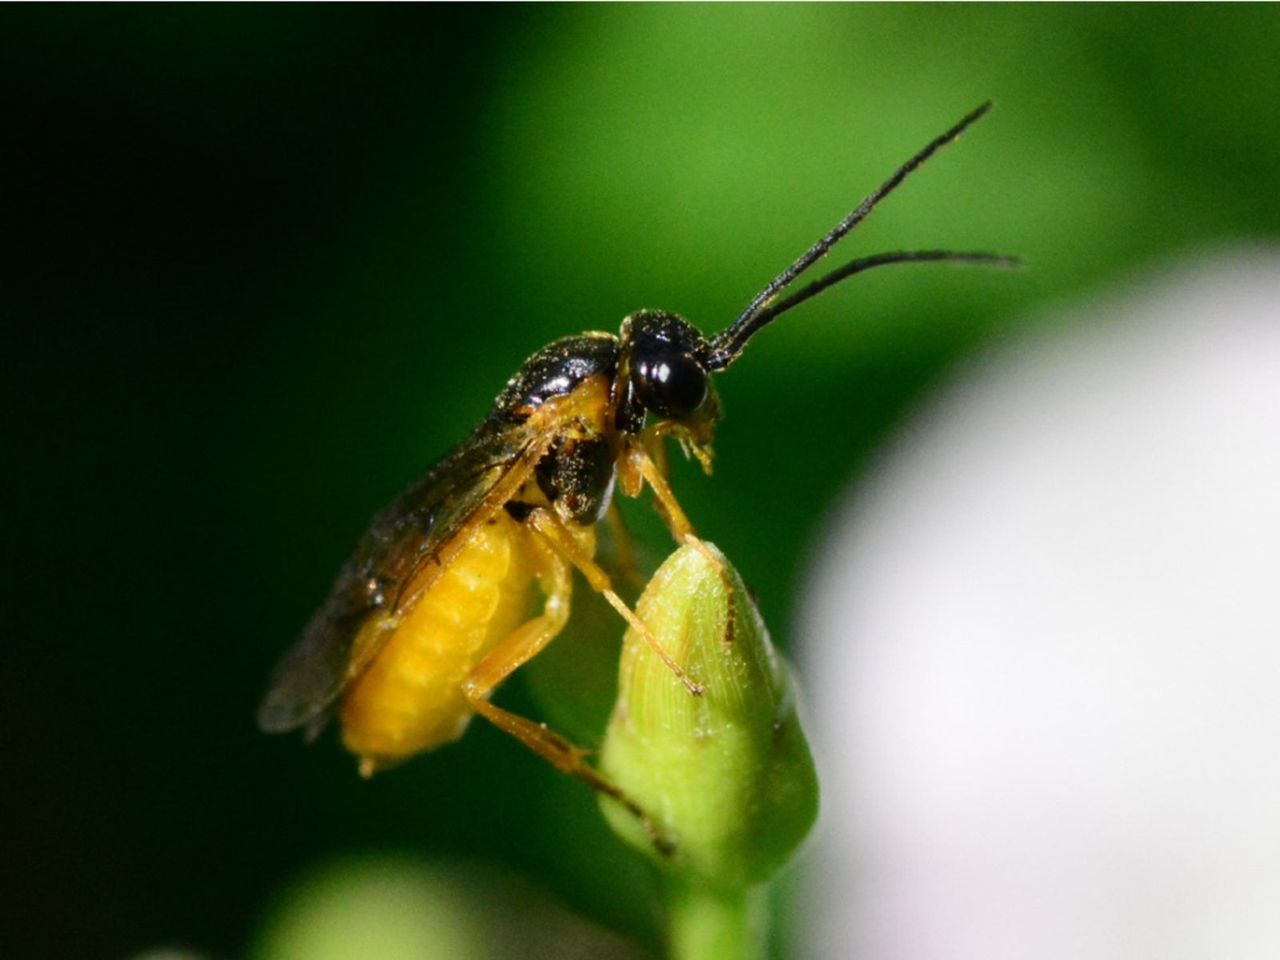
(433, 611)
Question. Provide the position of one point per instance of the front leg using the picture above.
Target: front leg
(636, 468)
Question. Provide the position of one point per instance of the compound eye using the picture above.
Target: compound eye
(670, 384)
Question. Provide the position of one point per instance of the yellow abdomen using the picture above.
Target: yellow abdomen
(410, 698)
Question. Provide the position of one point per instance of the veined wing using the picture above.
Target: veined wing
(417, 528)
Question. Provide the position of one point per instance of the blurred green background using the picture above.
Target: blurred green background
(266, 264)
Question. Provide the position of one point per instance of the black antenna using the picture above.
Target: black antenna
(726, 345)
(773, 310)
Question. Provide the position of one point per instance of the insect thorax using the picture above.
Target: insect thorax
(573, 377)
(577, 476)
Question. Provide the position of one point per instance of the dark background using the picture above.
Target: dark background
(266, 264)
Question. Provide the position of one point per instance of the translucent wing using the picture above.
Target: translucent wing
(468, 486)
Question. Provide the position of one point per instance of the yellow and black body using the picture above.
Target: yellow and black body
(432, 611)
(467, 575)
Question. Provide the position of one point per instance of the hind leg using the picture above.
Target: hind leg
(515, 651)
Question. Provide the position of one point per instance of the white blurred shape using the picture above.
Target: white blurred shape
(1043, 644)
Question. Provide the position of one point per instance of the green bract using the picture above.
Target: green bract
(726, 776)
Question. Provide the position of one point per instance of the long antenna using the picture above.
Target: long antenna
(728, 343)
(776, 309)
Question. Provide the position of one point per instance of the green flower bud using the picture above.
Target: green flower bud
(726, 776)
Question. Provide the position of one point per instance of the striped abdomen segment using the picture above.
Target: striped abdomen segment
(410, 698)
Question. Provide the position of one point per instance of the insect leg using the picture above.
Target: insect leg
(519, 648)
(638, 468)
(551, 528)
(625, 561)
(638, 463)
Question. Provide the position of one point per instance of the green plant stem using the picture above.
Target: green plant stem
(712, 924)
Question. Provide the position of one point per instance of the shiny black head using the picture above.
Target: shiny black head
(664, 372)
(666, 364)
